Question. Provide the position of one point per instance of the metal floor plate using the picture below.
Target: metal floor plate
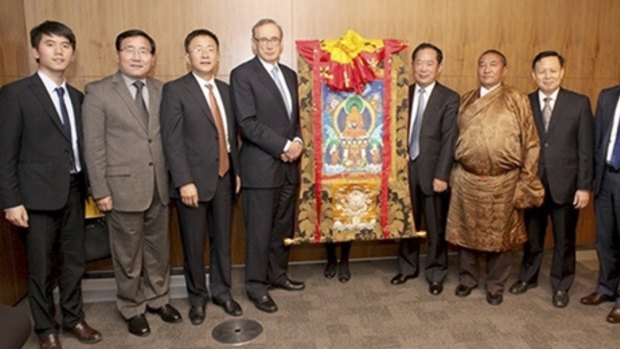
(237, 331)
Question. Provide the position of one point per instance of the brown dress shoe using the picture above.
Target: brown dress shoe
(49, 341)
(614, 316)
(84, 333)
(595, 299)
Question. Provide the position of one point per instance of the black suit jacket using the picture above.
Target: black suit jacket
(190, 135)
(34, 150)
(264, 124)
(566, 152)
(438, 135)
(603, 122)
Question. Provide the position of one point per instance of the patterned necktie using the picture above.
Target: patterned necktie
(144, 112)
(414, 142)
(546, 112)
(66, 124)
(275, 72)
(224, 164)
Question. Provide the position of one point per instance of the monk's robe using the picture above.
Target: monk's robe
(494, 176)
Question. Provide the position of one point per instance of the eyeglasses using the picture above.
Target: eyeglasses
(131, 50)
(265, 41)
(202, 49)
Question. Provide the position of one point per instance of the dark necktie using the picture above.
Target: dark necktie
(414, 142)
(66, 123)
(275, 72)
(144, 112)
(221, 137)
(546, 112)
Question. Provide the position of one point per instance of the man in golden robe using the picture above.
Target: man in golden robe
(493, 179)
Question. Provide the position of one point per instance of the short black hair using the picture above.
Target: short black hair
(545, 54)
(131, 33)
(51, 28)
(200, 32)
(496, 52)
(428, 45)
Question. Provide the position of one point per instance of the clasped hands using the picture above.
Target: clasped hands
(293, 152)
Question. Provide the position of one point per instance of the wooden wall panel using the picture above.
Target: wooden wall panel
(14, 55)
(584, 31)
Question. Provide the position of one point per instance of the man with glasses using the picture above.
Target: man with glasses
(266, 107)
(200, 143)
(127, 172)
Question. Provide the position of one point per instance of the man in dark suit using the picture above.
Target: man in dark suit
(607, 201)
(432, 133)
(42, 184)
(565, 127)
(266, 108)
(198, 130)
(129, 181)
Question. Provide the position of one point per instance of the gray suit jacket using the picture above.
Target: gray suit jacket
(125, 157)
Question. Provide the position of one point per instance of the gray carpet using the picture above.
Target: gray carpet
(368, 312)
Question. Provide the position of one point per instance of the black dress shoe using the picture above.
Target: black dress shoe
(520, 287)
(167, 313)
(401, 279)
(495, 299)
(330, 270)
(463, 291)
(230, 306)
(289, 285)
(560, 299)
(595, 299)
(197, 314)
(138, 326)
(343, 272)
(264, 303)
(435, 288)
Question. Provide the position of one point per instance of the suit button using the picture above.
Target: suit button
(150, 164)
(150, 140)
(546, 145)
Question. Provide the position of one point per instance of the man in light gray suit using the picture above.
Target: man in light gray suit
(127, 171)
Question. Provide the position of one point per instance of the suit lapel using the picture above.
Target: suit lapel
(537, 113)
(270, 85)
(123, 92)
(41, 94)
(431, 104)
(611, 106)
(196, 92)
(154, 102)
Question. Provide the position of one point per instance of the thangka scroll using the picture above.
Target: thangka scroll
(353, 116)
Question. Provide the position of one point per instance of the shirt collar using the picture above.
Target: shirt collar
(268, 66)
(129, 81)
(553, 96)
(49, 84)
(428, 89)
(202, 82)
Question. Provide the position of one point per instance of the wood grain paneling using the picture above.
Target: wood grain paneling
(583, 31)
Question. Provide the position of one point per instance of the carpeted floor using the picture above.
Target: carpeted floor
(368, 312)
